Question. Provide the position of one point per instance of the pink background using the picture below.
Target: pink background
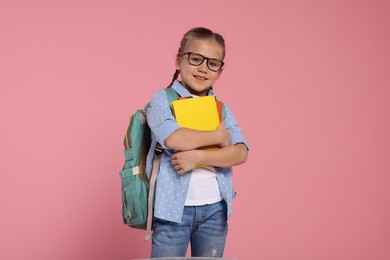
(309, 82)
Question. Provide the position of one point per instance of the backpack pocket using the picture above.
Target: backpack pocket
(134, 199)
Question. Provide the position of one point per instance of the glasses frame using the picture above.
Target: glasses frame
(203, 58)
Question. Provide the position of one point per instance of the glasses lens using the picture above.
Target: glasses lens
(195, 59)
(214, 64)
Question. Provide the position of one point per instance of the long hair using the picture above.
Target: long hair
(198, 33)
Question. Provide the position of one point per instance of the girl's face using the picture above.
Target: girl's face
(198, 79)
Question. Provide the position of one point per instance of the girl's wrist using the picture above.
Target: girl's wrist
(199, 156)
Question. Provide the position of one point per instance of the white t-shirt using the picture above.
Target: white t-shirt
(203, 188)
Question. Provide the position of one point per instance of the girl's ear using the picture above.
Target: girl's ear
(177, 63)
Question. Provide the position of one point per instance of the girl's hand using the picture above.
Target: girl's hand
(224, 134)
(185, 161)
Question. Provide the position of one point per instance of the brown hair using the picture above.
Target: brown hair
(198, 33)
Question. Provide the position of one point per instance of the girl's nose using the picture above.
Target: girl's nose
(203, 67)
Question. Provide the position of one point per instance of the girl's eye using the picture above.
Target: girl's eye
(196, 59)
(213, 64)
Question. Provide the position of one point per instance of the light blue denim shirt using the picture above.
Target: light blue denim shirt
(171, 187)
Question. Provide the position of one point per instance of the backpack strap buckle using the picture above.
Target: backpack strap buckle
(158, 149)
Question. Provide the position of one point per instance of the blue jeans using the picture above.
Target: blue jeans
(205, 227)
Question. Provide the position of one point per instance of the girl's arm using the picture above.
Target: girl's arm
(184, 139)
(227, 156)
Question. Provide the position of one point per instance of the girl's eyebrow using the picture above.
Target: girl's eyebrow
(202, 55)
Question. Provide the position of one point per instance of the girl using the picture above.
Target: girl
(192, 205)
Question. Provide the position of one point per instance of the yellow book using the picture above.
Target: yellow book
(200, 113)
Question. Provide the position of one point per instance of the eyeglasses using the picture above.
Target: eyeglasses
(197, 59)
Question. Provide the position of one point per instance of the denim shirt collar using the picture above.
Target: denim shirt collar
(183, 92)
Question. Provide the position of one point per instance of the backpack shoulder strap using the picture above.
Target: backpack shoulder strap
(172, 94)
(152, 182)
(223, 112)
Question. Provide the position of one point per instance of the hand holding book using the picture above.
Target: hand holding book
(225, 134)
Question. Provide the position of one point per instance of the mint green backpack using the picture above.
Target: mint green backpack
(137, 190)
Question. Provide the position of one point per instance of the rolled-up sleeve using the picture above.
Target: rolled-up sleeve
(160, 118)
(236, 135)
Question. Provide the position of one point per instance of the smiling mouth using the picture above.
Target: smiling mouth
(200, 78)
